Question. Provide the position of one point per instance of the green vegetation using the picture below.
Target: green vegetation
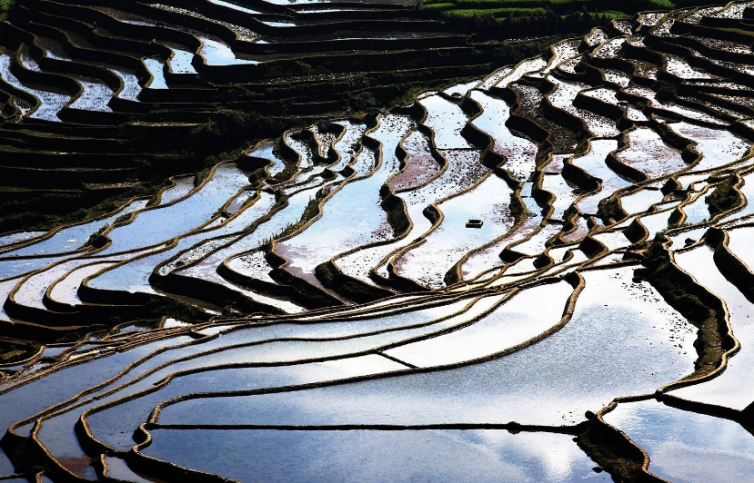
(12, 352)
(610, 208)
(5, 6)
(491, 20)
(724, 198)
(286, 174)
(530, 18)
(562, 6)
(171, 307)
(35, 209)
(310, 212)
(122, 219)
(97, 239)
(495, 12)
(613, 14)
(673, 226)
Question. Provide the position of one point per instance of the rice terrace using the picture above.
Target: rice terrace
(325, 241)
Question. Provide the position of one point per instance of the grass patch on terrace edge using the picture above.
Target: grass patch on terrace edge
(486, 25)
(613, 14)
(724, 198)
(438, 6)
(311, 211)
(11, 352)
(5, 7)
(97, 239)
(495, 12)
(738, 31)
(176, 308)
(541, 15)
(564, 6)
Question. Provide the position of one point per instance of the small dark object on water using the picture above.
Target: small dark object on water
(474, 224)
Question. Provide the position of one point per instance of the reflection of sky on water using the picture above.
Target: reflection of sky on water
(727, 389)
(153, 226)
(685, 446)
(476, 456)
(552, 382)
(510, 324)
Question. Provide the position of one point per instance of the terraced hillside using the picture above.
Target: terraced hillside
(103, 101)
(540, 275)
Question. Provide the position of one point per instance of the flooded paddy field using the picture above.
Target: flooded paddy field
(541, 274)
